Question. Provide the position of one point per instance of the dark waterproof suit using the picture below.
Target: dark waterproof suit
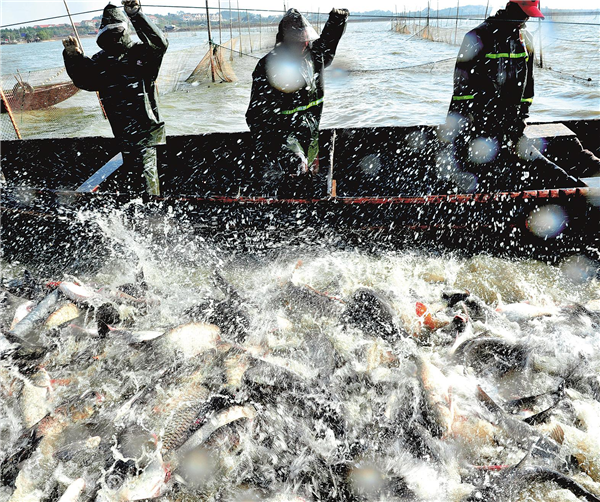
(285, 125)
(493, 90)
(125, 79)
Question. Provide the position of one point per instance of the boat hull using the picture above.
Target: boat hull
(25, 98)
(381, 200)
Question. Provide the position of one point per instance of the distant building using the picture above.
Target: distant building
(201, 17)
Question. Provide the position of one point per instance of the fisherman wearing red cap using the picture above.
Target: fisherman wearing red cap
(287, 102)
(493, 90)
(124, 74)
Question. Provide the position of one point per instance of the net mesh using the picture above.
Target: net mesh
(553, 38)
(44, 103)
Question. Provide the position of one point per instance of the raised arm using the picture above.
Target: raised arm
(145, 29)
(84, 71)
(332, 33)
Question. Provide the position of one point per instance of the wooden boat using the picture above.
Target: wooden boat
(24, 97)
(381, 199)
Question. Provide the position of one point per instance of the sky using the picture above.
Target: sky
(19, 11)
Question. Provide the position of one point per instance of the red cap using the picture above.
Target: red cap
(530, 7)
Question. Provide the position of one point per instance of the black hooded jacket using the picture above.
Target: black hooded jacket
(274, 115)
(126, 80)
(493, 77)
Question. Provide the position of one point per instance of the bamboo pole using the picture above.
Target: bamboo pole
(260, 31)
(220, 19)
(210, 44)
(231, 33)
(239, 26)
(456, 27)
(10, 113)
(81, 46)
(249, 34)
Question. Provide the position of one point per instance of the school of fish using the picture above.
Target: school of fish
(277, 381)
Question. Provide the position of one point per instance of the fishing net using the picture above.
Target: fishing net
(214, 65)
(46, 103)
(556, 36)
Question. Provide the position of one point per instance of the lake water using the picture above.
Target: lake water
(357, 93)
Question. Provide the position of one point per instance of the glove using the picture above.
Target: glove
(132, 7)
(72, 47)
(342, 13)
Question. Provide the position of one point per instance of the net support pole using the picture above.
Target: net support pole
(239, 26)
(260, 31)
(231, 33)
(10, 113)
(220, 19)
(249, 34)
(210, 44)
(81, 46)
(540, 37)
(319, 19)
(456, 27)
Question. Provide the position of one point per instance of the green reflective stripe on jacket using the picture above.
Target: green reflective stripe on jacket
(526, 100)
(508, 55)
(302, 108)
(463, 98)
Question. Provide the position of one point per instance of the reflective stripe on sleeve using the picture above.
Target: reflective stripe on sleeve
(302, 108)
(526, 100)
(462, 98)
(509, 55)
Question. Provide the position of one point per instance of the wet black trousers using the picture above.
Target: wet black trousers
(140, 164)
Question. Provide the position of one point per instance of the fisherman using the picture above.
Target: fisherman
(124, 74)
(287, 102)
(493, 90)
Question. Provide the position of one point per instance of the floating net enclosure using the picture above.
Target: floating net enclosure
(46, 103)
(553, 38)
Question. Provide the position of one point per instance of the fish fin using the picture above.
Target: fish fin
(558, 434)
(539, 418)
(488, 402)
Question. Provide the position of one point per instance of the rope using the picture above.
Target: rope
(402, 67)
(233, 50)
(364, 16)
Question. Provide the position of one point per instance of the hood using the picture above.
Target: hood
(113, 35)
(512, 13)
(295, 28)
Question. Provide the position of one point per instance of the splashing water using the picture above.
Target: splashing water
(302, 374)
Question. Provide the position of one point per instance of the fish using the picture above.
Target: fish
(581, 445)
(522, 312)
(21, 312)
(507, 486)
(437, 397)
(26, 328)
(490, 355)
(221, 419)
(229, 315)
(73, 491)
(302, 300)
(190, 339)
(26, 444)
(35, 398)
(523, 435)
(63, 315)
(373, 314)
